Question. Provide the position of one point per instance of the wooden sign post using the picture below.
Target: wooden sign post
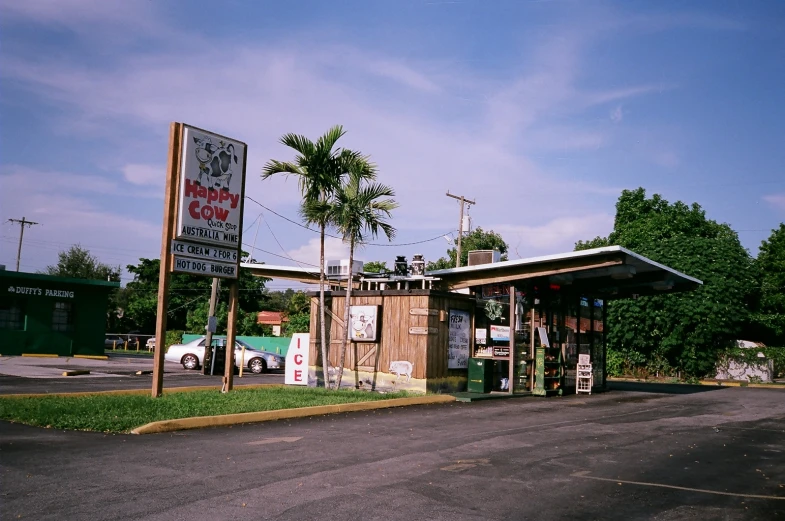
(202, 226)
(170, 215)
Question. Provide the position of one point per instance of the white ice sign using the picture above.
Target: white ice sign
(296, 372)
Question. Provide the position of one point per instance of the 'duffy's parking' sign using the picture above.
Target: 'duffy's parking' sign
(211, 186)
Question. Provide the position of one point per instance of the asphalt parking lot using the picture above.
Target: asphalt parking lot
(20, 375)
(717, 454)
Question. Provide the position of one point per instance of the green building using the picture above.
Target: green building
(44, 314)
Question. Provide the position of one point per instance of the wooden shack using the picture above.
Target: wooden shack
(412, 344)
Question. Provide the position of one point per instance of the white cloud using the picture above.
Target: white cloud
(666, 158)
(776, 200)
(308, 254)
(49, 181)
(617, 114)
(140, 174)
(599, 98)
(559, 234)
(405, 75)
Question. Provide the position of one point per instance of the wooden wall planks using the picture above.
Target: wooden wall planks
(427, 353)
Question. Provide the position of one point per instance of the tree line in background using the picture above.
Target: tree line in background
(688, 333)
(134, 307)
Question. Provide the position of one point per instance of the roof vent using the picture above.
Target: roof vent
(477, 257)
(401, 266)
(418, 266)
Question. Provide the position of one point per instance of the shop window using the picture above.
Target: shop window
(11, 315)
(62, 317)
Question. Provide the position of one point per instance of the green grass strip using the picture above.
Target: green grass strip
(121, 413)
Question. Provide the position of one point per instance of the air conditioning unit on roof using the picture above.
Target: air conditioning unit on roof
(477, 257)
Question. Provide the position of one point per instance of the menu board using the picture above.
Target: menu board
(458, 344)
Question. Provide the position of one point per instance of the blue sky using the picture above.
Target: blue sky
(540, 111)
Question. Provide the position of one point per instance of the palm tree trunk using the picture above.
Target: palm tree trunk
(345, 338)
(325, 360)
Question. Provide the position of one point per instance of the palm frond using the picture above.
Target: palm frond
(326, 142)
(317, 212)
(281, 167)
(359, 210)
(300, 143)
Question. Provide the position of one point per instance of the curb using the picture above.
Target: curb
(75, 373)
(710, 383)
(133, 392)
(92, 357)
(263, 416)
(39, 355)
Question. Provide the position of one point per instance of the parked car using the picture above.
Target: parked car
(114, 342)
(191, 355)
(150, 344)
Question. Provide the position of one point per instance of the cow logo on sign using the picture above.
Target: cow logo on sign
(215, 163)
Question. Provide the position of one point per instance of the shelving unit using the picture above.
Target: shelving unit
(549, 371)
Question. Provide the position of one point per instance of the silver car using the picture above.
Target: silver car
(191, 355)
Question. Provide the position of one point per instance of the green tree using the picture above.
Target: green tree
(769, 314)
(276, 300)
(375, 267)
(299, 303)
(685, 331)
(79, 263)
(360, 211)
(320, 168)
(477, 239)
(297, 323)
(186, 293)
(597, 242)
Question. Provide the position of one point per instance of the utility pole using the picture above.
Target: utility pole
(463, 201)
(22, 223)
(208, 340)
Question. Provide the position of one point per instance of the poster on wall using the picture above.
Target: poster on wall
(500, 332)
(458, 344)
(363, 321)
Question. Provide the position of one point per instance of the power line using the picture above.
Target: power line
(284, 257)
(386, 245)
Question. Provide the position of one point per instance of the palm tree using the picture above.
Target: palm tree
(359, 212)
(320, 168)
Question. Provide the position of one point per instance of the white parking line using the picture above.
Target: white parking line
(584, 474)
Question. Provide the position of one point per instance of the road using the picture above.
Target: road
(621, 455)
(44, 375)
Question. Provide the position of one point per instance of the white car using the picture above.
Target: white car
(191, 355)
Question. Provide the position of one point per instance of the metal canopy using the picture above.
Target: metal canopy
(610, 272)
(306, 275)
